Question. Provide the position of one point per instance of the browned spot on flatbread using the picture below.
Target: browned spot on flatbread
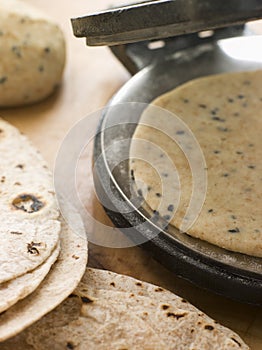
(28, 203)
(87, 300)
(176, 316)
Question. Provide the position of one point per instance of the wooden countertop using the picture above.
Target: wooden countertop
(91, 77)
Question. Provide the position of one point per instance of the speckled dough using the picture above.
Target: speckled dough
(32, 51)
(110, 311)
(224, 113)
(30, 226)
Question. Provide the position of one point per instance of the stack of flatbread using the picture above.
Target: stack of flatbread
(110, 311)
(37, 248)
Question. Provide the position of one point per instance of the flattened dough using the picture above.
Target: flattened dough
(224, 112)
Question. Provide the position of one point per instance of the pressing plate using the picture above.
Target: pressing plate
(202, 263)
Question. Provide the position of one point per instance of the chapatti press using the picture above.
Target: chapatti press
(164, 44)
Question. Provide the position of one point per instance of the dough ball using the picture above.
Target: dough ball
(32, 54)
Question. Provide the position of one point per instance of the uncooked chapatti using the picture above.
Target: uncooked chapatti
(29, 229)
(224, 113)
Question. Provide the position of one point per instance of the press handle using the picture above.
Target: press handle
(137, 56)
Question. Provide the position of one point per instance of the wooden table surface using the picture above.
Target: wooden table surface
(91, 77)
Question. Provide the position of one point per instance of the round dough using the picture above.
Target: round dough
(224, 112)
(32, 51)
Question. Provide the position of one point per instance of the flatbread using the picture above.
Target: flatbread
(20, 287)
(62, 279)
(111, 311)
(30, 228)
(224, 112)
(32, 49)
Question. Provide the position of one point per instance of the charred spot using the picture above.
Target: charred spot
(72, 296)
(75, 257)
(112, 284)
(176, 316)
(20, 166)
(3, 179)
(47, 49)
(251, 166)
(32, 248)
(28, 203)
(184, 301)
(186, 100)
(70, 346)
(211, 210)
(216, 151)
(159, 289)
(165, 307)
(158, 194)
(237, 342)
(16, 233)
(209, 327)
(87, 300)
(139, 284)
(230, 100)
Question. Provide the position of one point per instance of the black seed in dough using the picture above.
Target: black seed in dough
(170, 208)
(3, 80)
(234, 230)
